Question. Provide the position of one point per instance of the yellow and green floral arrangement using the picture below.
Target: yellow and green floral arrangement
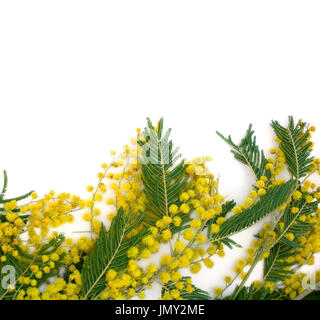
(162, 201)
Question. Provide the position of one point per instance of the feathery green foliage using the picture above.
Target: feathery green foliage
(249, 293)
(230, 243)
(248, 153)
(291, 222)
(162, 175)
(196, 294)
(275, 266)
(22, 267)
(268, 203)
(110, 252)
(46, 249)
(296, 146)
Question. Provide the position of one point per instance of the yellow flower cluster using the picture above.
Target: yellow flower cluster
(50, 211)
(296, 284)
(128, 283)
(175, 291)
(199, 196)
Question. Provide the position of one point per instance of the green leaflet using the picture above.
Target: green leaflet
(230, 243)
(110, 252)
(248, 153)
(4, 190)
(274, 198)
(47, 249)
(17, 198)
(296, 147)
(196, 294)
(162, 174)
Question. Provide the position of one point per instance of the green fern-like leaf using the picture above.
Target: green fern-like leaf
(110, 252)
(248, 153)
(196, 294)
(20, 268)
(22, 265)
(162, 175)
(267, 204)
(291, 222)
(275, 266)
(296, 146)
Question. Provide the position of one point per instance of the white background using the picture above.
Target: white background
(77, 78)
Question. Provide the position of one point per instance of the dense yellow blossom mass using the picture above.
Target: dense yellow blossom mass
(192, 229)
